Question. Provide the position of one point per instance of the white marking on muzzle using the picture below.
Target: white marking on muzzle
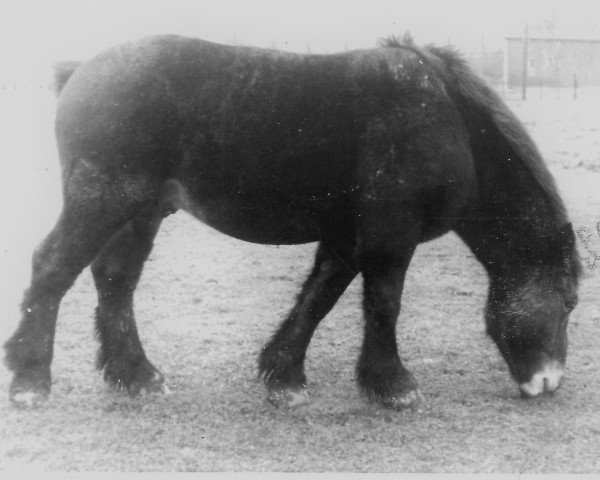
(546, 380)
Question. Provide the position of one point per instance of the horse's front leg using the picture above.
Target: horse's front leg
(282, 360)
(384, 260)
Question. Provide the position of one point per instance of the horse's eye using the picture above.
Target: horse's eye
(570, 304)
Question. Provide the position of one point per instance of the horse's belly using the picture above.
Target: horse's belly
(258, 217)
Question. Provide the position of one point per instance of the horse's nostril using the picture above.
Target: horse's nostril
(552, 382)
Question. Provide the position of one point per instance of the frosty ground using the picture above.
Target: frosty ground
(207, 303)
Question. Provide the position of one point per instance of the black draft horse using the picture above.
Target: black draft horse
(367, 152)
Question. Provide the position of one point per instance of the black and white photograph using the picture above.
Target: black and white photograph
(300, 236)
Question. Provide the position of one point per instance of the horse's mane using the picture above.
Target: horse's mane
(471, 93)
(466, 87)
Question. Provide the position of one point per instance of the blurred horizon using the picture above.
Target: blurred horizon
(38, 34)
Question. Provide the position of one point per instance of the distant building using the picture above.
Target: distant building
(488, 64)
(555, 62)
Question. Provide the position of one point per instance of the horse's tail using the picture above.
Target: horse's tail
(62, 73)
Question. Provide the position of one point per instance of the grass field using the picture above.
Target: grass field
(207, 303)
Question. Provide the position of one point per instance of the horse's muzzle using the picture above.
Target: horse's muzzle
(547, 380)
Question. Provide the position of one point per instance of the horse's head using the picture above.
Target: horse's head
(527, 315)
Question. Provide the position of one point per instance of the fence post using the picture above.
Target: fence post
(525, 42)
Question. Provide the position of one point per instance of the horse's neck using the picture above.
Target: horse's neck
(513, 215)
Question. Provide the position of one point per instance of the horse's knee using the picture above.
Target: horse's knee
(114, 274)
(107, 273)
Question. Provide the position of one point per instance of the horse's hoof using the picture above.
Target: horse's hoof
(288, 397)
(154, 383)
(28, 399)
(165, 390)
(401, 402)
(29, 390)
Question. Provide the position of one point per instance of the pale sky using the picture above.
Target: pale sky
(35, 34)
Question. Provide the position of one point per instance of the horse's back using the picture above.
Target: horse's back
(252, 134)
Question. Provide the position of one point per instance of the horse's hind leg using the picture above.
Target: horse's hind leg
(95, 207)
(282, 360)
(116, 272)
